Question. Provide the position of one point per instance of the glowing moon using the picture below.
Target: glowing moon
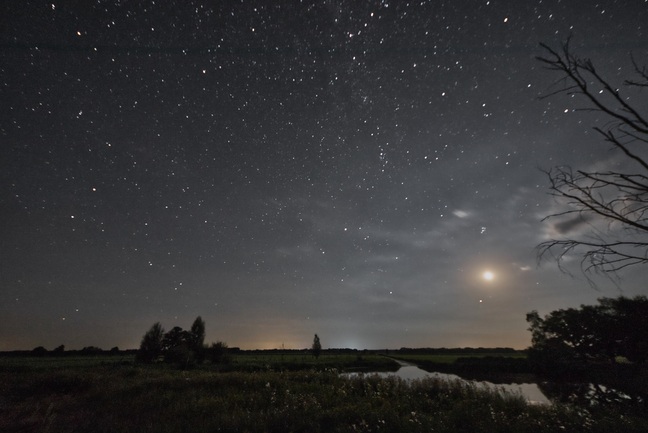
(488, 276)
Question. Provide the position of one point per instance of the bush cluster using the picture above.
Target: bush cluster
(180, 347)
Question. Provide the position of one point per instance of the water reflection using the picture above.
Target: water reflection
(628, 397)
(592, 395)
(530, 391)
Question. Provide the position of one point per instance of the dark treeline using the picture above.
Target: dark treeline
(422, 350)
(478, 367)
(456, 350)
(41, 351)
(93, 350)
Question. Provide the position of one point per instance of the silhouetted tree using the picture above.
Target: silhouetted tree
(567, 338)
(197, 339)
(316, 348)
(59, 349)
(151, 345)
(593, 333)
(39, 351)
(630, 327)
(613, 202)
(176, 347)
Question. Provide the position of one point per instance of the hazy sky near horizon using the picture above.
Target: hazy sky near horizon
(350, 169)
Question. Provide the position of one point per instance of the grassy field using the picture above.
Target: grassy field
(244, 361)
(35, 363)
(109, 394)
(300, 360)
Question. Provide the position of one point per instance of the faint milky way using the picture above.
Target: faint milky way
(351, 169)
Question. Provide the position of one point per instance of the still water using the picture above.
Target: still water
(530, 391)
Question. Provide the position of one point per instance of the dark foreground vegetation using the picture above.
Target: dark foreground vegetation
(267, 391)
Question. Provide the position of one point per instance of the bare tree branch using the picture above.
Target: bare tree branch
(613, 204)
(642, 71)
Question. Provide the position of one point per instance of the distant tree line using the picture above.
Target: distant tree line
(61, 351)
(456, 350)
(180, 347)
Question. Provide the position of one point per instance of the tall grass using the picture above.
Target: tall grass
(32, 363)
(136, 399)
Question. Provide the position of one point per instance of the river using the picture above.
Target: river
(408, 371)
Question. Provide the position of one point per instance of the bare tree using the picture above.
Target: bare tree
(613, 202)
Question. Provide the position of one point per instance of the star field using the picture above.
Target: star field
(352, 169)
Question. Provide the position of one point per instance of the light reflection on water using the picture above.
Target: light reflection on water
(529, 391)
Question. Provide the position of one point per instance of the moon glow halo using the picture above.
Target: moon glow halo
(488, 276)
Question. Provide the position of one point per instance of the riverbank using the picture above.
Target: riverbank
(132, 398)
(525, 386)
(502, 368)
(621, 388)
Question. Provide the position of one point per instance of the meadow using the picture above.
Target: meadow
(261, 360)
(303, 359)
(266, 392)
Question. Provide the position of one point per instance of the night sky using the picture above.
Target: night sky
(345, 168)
